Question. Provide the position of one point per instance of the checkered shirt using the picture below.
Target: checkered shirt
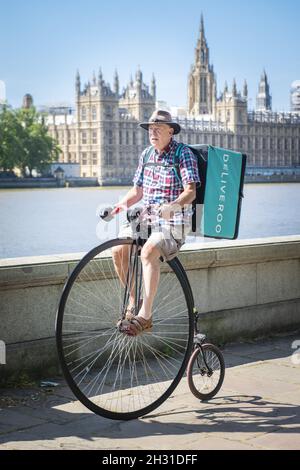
(162, 185)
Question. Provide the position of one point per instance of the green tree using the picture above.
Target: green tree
(24, 141)
(11, 133)
(39, 149)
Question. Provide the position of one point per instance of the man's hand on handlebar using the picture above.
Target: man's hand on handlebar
(116, 210)
(108, 213)
(164, 211)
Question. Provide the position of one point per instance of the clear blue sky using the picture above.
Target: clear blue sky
(43, 42)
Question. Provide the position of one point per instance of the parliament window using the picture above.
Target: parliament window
(83, 137)
(264, 144)
(83, 113)
(84, 158)
(94, 158)
(108, 112)
(203, 90)
(286, 144)
(108, 157)
(109, 136)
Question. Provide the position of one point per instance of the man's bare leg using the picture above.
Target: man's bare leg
(151, 273)
(120, 255)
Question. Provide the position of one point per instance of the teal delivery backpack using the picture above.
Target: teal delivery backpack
(217, 207)
(222, 175)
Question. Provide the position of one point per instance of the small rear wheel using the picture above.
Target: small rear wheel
(205, 377)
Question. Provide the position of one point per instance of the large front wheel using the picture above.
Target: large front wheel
(112, 374)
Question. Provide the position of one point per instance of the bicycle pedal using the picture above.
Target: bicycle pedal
(199, 338)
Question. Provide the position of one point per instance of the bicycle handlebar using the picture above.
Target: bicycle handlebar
(131, 214)
(105, 214)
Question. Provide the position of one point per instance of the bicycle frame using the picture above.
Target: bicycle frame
(133, 273)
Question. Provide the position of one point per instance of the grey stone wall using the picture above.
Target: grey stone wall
(242, 289)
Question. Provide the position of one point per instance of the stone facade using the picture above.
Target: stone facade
(104, 138)
(202, 89)
(264, 99)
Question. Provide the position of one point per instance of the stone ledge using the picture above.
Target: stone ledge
(249, 288)
(194, 247)
(233, 252)
(54, 269)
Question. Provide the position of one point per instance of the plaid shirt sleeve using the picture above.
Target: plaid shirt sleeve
(138, 177)
(188, 167)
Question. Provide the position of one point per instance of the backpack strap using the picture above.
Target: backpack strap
(176, 161)
(147, 156)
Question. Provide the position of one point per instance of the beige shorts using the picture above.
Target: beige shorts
(167, 239)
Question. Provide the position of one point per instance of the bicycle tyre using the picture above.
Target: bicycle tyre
(163, 360)
(196, 370)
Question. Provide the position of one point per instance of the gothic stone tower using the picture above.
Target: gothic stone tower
(97, 114)
(108, 140)
(137, 99)
(202, 87)
(231, 108)
(264, 99)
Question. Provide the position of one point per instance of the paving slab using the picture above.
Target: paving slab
(258, 407)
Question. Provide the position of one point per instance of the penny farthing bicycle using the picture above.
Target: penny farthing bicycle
(124, 377)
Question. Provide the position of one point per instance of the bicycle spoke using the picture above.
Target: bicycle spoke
(205, 377)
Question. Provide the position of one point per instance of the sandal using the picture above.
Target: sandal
(136, 326)
(130, 313)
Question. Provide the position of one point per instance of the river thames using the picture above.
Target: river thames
(54, 221)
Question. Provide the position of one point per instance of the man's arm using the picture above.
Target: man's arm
(186, 197)
(133, 196)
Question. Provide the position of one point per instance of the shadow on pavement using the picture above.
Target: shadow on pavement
(34, 415)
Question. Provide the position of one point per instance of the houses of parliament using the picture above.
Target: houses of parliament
(103, 140)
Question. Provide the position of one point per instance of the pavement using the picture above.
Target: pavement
(258, 407)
